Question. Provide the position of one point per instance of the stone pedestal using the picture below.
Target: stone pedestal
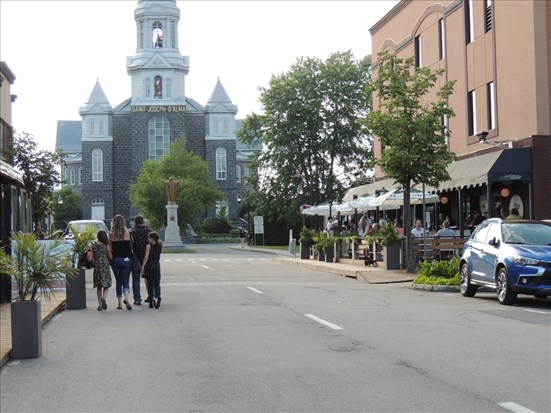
(172, 230)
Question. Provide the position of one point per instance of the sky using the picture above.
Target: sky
(58, 49)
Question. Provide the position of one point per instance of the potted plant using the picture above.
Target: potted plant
(36, 266)
(75, 287)
(306, 240)
(325, 246)
(390, 241)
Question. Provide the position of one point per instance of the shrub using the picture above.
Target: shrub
(439, 273)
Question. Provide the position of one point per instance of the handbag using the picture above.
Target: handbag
(89, 259)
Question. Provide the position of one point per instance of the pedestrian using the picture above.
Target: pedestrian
(251, 236)
(139, 241)
(241, 237)
(102, 270)
(121, 264)
(418, 231)
(151, 268)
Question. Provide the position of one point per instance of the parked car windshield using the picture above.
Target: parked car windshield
(77, 227)
(532, 233)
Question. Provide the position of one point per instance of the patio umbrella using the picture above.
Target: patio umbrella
(320, 209)
(396, 198)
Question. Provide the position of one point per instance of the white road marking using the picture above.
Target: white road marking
(255, 290)
(204, 266)
(516, 408)
(14, 362)
(324, 322)
(538, 312)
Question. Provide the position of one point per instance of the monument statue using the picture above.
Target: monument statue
(171, 189)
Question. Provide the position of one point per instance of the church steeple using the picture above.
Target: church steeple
(157, 68)
(96, 115)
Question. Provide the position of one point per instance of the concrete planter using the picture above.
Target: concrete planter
(330, 254)
(391, 257)
(76, 290)
(305, 250)
(26, 329)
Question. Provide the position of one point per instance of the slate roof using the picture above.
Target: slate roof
(69, 135)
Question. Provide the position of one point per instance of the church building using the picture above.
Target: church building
(107, 148)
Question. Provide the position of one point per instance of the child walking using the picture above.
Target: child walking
(151, 268)
(102, 269)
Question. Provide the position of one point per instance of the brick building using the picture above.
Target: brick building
(499, 54)
(108, 147)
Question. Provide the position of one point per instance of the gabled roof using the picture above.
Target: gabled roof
(69, 135)
(219, 100)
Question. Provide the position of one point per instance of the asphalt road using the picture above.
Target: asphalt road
(239, 332)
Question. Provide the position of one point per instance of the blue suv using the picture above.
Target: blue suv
(511, 256)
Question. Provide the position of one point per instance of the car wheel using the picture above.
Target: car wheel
(467, 289)
(505, 295)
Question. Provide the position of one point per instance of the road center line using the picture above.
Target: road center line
(324, 322)
(254, 290)
(516, 408)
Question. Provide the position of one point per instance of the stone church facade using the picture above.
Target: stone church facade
(115, 142)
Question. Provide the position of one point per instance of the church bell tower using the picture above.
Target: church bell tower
(157, 68)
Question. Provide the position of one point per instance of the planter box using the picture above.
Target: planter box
(321, 256)
(305, 250)
(330, 254)
(26, 329)
(5, 288)
(76, 290)
(391, 257)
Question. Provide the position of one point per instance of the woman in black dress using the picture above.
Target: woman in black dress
(151, 268)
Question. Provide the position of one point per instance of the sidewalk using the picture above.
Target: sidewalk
(48, 310)
(372, 275)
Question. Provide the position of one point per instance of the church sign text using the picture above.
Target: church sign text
(158, 109)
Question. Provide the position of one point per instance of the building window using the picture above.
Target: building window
(102, 127)
(225, 128)
(157, 35)
(159, 138)
(441, 40)
(487, 16)
(72, 176)
(79, 176)
(238, 172)
(222, 208)
(471, 108)
(173, 34)
(66, 176)
(246, 171)
(221, 166)
(418, 51)
(469, 28)
(169, 88)
(147, 87)
(140, 45)
(490, 95)
(97, 165)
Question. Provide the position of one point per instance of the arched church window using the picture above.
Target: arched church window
(221, 164)
(102, 127)
(215, 128)
(79, 176)
(159, 137)
(158, 87)
(97, 165)
(238, 172)
(157, 35)
(225, 126)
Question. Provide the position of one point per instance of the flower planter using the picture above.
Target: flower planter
(5, 288)
(321, 256)
(76, 290)
(26, 329)
(391, 257)
(330, 254)
(305, 250)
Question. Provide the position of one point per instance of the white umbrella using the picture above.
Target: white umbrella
(396, 198)
(321, 209)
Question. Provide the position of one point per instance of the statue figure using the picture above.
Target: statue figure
(171, 189)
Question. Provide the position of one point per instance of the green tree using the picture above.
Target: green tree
(196, 191)
(40, 170)
(410, 126)
(311, 135)
(70, 207)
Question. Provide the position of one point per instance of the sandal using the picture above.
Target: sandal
(128, 306)
(103, 304)
(99, 308)
(119, 307)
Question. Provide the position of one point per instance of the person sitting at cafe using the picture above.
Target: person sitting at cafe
(418, 231)
(514, 214)
(445, 231)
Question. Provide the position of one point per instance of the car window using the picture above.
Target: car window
(494, 231)
(482, 232)
(526, 233)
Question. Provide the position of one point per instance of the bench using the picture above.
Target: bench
(444, 248)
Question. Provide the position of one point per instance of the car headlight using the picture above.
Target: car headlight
(524, 261)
